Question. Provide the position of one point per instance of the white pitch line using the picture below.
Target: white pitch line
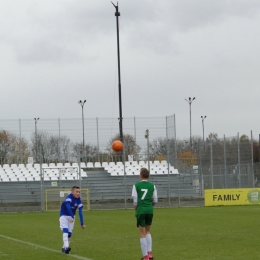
(43, 247)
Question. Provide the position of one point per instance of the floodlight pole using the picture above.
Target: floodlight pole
(117, 14)
(82, 103)
(36, 141)
(190, 101)
(148, 153)
(202, 119)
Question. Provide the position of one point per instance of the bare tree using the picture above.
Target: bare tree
(13, 149)
(161, 149)
(87, 153)
(158, 149)
(20, 150)
(6, 139)
(50, 148)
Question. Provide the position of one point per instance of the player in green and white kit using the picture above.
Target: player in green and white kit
(144, 194)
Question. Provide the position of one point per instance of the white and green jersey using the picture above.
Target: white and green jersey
(144, 194)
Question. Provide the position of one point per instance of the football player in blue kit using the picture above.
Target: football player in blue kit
(67, 216)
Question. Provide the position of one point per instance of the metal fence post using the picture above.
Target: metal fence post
(168, 160)
(79, 174)
(175, 144)
(136, 154)
(124, 174)
(59, 137)
(200, 169)
(211, 165)
(225, 162)
(98, 139)
(238, 161)
(42, 185)
(252, 160)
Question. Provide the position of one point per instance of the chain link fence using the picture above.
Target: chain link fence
(58, 140)
(226, 162)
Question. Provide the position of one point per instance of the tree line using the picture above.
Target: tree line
(46, 147)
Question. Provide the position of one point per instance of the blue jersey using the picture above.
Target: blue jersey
(70, 203)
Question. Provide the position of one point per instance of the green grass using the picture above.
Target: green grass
(210, 233)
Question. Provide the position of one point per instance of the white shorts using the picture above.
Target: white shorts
(65, 223)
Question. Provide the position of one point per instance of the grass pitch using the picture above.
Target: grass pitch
(210, 233)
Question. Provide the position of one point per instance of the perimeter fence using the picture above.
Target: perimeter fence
(58, 140)
(226, 162)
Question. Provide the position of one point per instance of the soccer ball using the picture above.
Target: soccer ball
(117, 146)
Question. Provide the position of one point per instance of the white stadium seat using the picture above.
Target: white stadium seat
(164, 162)
(127, 163)
(36, 178)
(29, 166)
(105, 165)
(70, 178)
(114, 173)
(59, 164)
(29, 178)
(14, 165)
(90, 165)
(82, 165)
(97, 165)
(21, 178)
(46, 178)
(156, 162)
(54, 178)
(83, 174)
(112, 164)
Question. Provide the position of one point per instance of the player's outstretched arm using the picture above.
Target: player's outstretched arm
(81, 218)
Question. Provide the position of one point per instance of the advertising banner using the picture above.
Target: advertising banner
(227, 197)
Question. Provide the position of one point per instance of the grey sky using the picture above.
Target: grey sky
(54, 53)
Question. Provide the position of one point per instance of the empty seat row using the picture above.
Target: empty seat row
(36, 178)
(46, 177)
(136, 171)
(37, 165)
(82, 164)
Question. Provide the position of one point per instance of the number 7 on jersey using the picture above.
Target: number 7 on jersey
(145, 192)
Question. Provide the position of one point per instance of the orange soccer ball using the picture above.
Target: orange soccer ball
(117, 146)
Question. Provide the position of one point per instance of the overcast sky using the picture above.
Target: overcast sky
(54, 53)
